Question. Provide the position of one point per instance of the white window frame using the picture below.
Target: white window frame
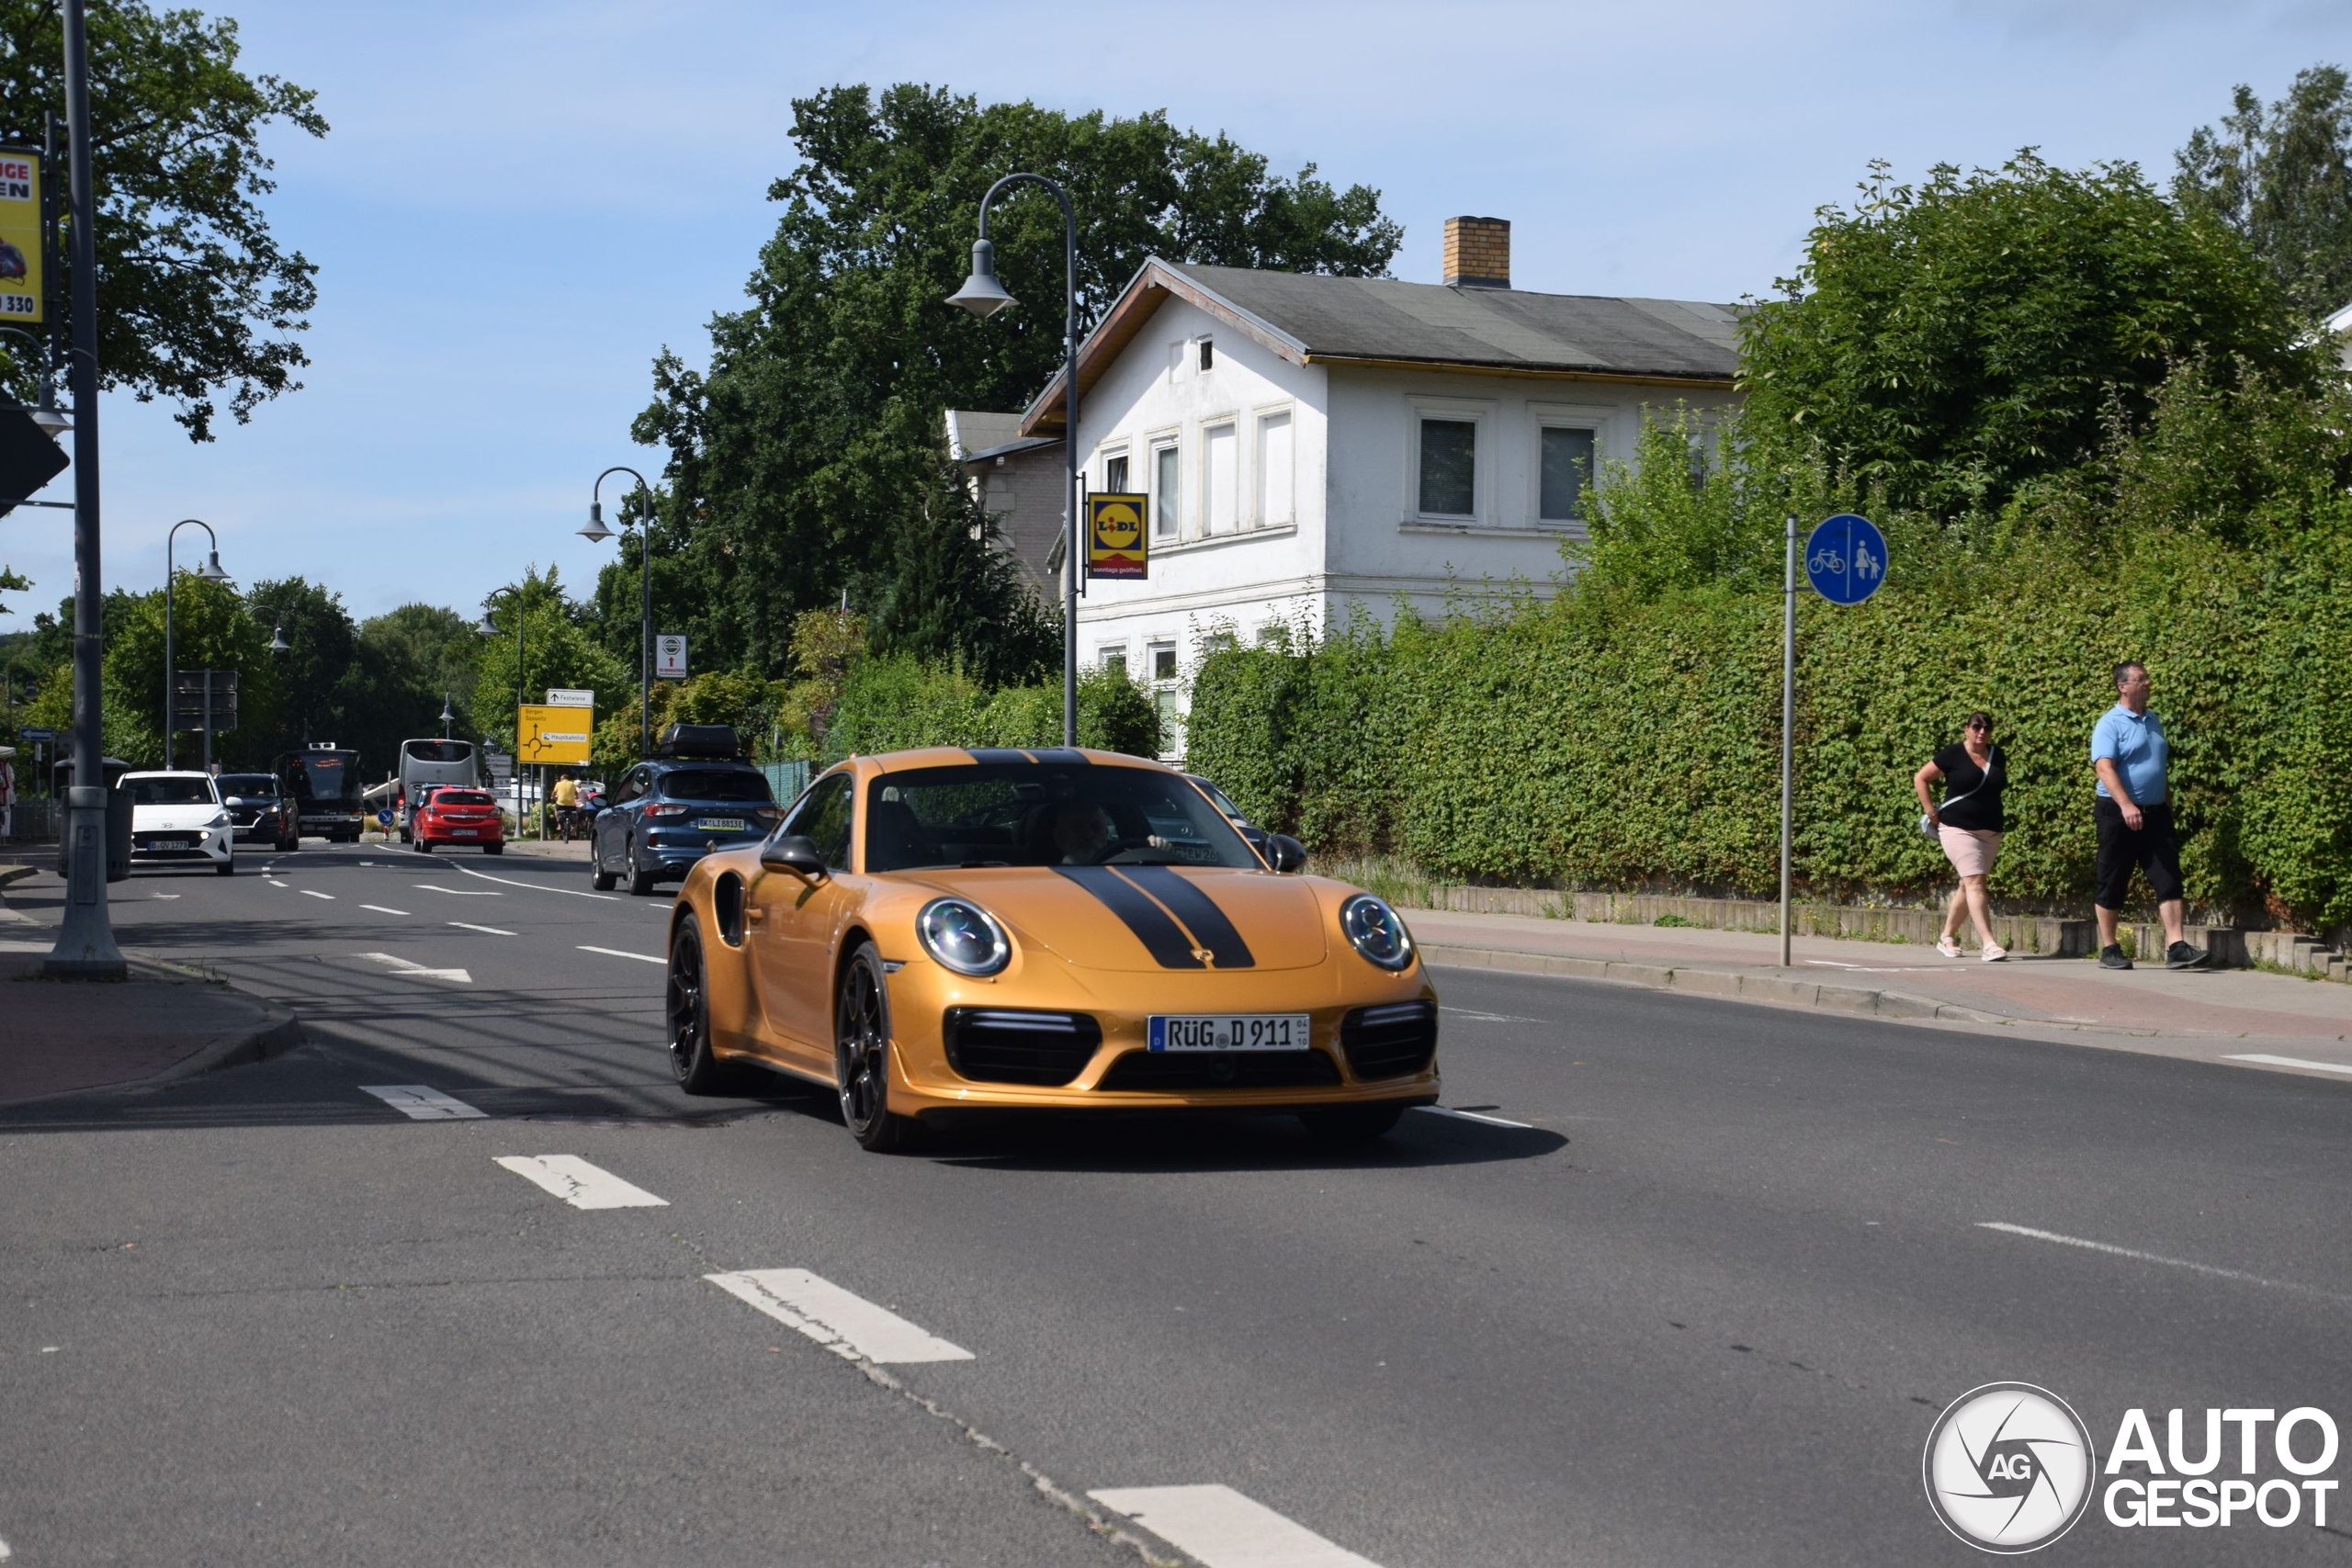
(1541, 417)
(1476, 412)
(1154, 444)
(1102, 456)
(1258, 418)
(1167, 693)
(1105, 652)
(1202, 509)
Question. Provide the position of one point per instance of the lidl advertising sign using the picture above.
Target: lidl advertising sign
(1114, 536)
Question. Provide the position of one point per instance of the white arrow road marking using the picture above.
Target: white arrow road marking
(2290, 1062)
(848, 1325)
(402, 966)
(460, 892)
(1471, 1116)
(418, 1103)
(1223, 1529)
(381, 911)
(580, 1184)
(617, 953)
(494, 930)
(314, 892)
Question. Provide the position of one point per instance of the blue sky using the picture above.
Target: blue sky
(519, 205)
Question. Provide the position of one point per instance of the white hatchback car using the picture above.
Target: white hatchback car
(180, 817)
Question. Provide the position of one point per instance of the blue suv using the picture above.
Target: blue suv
(667, 814)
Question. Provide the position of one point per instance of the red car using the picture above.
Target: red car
(452, 816)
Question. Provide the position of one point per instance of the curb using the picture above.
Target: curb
(1727, 983)
(17, 872)
(278, 1033)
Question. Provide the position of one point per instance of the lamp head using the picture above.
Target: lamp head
(596, 532)
(982, 294)
(278, 643)
(487, 626)
(211, 569)
(52, 421)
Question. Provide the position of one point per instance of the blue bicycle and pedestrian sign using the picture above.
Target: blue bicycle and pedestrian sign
(1844, 558)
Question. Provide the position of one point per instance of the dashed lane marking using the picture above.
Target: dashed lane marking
(2290, 1062)
(1471, 1116)
(845, 1324)
(382, 909)
(459, 892)
(418, 1103)
(1489, 1017)
(273, 882)
(314, 892)
(400, 966)
(494, 930)
(2138, 1257)
(1223, 1528)
(617, 953)
(163, 895)
(580, 1184)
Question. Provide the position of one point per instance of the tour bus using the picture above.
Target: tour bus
(324, 780)
(425, 763)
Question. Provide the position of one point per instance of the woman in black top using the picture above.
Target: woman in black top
(1969, 825)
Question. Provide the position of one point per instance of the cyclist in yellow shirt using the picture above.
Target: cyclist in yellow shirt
(566, 796)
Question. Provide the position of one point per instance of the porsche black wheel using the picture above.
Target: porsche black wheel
(862, 1055)
(1353, 1124)
(687, 1009)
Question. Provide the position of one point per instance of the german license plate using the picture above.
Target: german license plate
(465, 832)
(1230, 1031)
(721, 824)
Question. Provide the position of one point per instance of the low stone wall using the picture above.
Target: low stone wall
(2050, 935)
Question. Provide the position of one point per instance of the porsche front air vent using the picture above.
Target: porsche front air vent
(999, 1045)
(1221, 1069)
(1391, 1042)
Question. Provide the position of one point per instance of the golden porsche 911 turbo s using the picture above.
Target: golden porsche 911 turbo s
(944, 931)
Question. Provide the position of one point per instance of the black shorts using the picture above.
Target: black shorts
(2155, 849)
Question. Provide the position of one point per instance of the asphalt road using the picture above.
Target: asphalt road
(1701, 1308)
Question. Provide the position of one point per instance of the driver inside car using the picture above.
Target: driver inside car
(1083, 834)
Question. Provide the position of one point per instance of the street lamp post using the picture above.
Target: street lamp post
(597, 533)
(211, 572)
(85, 947)
(984, 296)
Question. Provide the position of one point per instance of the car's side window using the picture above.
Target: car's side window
(632, 786)
(823, 817)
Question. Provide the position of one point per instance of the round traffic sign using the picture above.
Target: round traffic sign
(1844, 558)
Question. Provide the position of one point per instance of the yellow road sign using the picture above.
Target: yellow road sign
(20, 280)
(1116, 543)
(547, 733)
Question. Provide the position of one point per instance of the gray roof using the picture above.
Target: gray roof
(1376, 318)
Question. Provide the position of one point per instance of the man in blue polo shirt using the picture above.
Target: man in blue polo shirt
(2129, 752)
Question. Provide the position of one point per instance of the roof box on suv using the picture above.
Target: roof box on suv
(708, 741)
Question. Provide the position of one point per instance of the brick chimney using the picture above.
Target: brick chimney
(1477, 252)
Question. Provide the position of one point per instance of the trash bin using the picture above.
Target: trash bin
(118, 819)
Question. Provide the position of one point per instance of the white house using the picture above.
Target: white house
(1315, 444)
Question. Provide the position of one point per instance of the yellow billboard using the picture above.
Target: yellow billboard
(1114, 536)
(20, 247)
(547, 733)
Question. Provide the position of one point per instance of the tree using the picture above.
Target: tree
(1944, 343)
(801, 460)
(955, 594)
(315, 670)
(2283, 179)
(212, 629)
(197, 298)
(558, 650)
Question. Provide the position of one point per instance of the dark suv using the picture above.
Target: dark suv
(664, 816)
(262, 810)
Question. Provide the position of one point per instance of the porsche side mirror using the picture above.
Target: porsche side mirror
(1285, 853)
(794, 852)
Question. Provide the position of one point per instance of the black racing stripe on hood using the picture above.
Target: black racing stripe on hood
(997, 754)
(1197, 910)
(1059, 754)
(1160, 935)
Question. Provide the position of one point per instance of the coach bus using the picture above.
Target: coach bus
(425, 763)
(324, 780)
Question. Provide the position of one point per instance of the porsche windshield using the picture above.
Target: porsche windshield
(1044, 814)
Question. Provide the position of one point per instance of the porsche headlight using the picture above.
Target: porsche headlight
(963, 936)
(1374, 930)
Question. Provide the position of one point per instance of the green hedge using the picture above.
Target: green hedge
(896, 703)
(1638, 743)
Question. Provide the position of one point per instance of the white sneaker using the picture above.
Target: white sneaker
(1992, 954)
(1948, 947)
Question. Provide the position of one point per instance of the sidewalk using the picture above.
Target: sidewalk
(2205, 1015)
(66, 1037)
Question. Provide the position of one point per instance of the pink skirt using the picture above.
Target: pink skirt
(1971, 850)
